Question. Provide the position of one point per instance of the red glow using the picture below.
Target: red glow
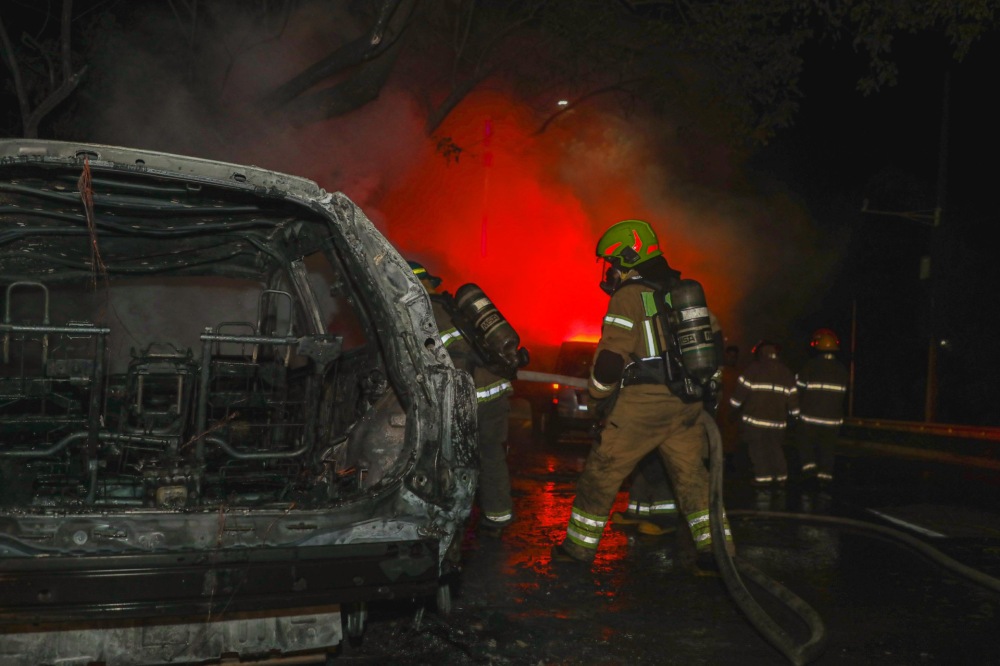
(555, 386)
(547, 200)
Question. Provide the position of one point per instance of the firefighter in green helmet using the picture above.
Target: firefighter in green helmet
(645, 415)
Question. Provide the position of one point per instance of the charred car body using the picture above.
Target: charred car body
(222, 393)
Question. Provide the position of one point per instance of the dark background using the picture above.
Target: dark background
(845, 147)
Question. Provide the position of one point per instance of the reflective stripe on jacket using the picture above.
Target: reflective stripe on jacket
(627, 329)
(489, 386)
(766, 394)
(822, 384)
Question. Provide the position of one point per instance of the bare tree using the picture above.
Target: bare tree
(739, 58)
(56, 91)
(372, 57)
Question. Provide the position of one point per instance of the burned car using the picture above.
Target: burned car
(226, 417)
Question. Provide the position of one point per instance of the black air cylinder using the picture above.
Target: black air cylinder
(497, 335)
(693, 328)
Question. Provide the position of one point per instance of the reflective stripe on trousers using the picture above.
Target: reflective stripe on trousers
(585, 529)
(701, 530)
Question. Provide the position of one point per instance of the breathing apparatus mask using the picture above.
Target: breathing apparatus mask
(614, 273)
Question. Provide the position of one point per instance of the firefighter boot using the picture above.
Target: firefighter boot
(568, 552)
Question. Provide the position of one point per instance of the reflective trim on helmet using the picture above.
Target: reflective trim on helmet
(621, 322)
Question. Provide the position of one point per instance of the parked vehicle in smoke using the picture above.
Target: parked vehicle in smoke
(571, 406)
(222, 392)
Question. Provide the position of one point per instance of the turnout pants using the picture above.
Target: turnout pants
(815, 444)
(646, 418)
(494, 477)
(768, 459)
(650, 495)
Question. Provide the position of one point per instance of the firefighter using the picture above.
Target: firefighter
(492, 415)
(651, 503)
(822, 383)
(765, 397)
(628, 383)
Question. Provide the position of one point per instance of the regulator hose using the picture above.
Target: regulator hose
(730, 568)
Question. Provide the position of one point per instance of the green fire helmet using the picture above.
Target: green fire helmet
(628, 244)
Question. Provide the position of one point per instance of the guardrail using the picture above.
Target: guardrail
(938, 429)
(968, 446)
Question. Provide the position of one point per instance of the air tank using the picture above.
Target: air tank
(489, 326)
(693, 330)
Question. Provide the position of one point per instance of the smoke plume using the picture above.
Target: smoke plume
(515, 212)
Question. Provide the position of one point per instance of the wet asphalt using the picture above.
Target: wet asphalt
(881, 603)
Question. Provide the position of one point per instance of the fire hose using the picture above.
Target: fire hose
(547, 378)
(731, 567)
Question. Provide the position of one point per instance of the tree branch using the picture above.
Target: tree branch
(29, 41)
(51, 102)
(460, 44)
(617, 87)
(15, 70)
(353, 53)
(64, 39)
(457, 94)
(350, 94)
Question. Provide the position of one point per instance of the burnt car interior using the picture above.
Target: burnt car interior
(180, 346)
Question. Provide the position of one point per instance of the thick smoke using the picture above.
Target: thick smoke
(517, 213)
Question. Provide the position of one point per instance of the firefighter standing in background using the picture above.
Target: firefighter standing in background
(766, 396)
(822, 384)
(646, 416)
(492, 415)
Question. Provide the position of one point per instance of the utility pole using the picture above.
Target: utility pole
(932, 264)
(936, 259)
